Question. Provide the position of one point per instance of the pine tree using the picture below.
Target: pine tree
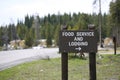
(56, 35)
(29, 39)
(48, 35)
(115, 11)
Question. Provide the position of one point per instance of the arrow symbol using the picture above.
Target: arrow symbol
(79, 48)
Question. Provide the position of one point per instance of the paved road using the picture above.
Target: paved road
(15, 57)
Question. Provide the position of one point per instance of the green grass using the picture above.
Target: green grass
(108, 68)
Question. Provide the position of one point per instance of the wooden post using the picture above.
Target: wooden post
(64, 61)
(92, 65)
(92, 59)
(64, 66)
(114, 41)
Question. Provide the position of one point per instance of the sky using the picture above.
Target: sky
(14, 10)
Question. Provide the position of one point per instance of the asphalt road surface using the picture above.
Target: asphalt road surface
(11, 58)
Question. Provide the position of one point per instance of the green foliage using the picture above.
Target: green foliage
(108, 26)
(12, 33)
(115, 12)
(29, 41)
(56, 36)
(28, 21)
(48, 34)
(84, 21)
(3, 35)
(0, 36)
(42, 32)
(21, 30)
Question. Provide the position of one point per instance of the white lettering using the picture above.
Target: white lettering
(85, 34)
(78, 39)
(78, 43)
(67, 33)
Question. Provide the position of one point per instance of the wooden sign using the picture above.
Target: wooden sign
(77, 41)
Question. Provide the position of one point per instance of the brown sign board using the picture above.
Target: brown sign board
(77, 41)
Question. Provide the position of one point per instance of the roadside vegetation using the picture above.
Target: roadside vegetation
(108, 68)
